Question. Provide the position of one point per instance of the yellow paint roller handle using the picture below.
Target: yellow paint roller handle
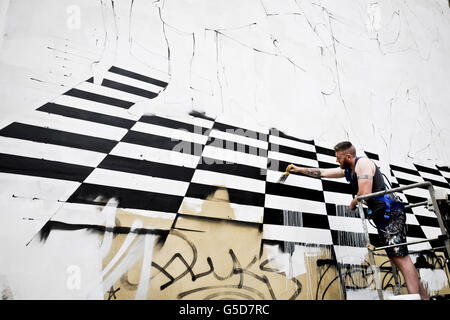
(289, 168)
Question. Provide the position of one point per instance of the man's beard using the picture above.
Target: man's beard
(346, 165)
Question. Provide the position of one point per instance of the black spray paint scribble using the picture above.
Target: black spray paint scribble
(237, 270)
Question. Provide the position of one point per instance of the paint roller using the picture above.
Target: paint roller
(285, 174)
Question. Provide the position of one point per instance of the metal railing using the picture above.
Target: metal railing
(443, 237)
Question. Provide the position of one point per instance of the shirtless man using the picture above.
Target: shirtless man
(365, 177)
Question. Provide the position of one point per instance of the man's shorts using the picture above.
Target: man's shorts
(391, 231)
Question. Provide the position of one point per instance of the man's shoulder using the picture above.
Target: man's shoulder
(364, 163)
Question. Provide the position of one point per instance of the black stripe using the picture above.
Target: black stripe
(375, 240)
(334, 186)
(304, 219)
(427, 221)
(201, 115)
(286, 246)
(349, 239)
(444, 168)
(415, 231)
(414, 199)
(134, 199)
(236, 169)
(202, 191)
(43, 168)
(148, 168)
(240, 131)
(99, 98)
(138, 76)
(292, 151)
(438, 183)
(285, 190)
(174, 124)
(404, 182)
(151, 140)
(86, 115)
(278, 133)
(405, 170)
(340, 210)
(372, 156)
(428, 170)
(327, 165)
(235, 146)
(127, 88)
(45, 135)
(325, 151)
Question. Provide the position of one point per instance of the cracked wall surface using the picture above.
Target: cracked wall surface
(137, 136)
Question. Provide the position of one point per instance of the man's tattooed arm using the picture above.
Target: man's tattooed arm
(312, 172)
(365, 177)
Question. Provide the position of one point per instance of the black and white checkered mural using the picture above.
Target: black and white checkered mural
(89, 141)
(88, 147)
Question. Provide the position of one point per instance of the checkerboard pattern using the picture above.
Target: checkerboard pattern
(168, 168)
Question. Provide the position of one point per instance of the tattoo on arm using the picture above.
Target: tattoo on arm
(365, 177)
(313, 172)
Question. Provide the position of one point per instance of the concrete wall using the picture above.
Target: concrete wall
(141, 143)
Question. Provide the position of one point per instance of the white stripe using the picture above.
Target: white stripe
(140, 152)
(228, 181)
(80, 213)
(327, 159)
(109, 212)
(295, 180)
(132, 82)
(445, 174)
(137, 182)
(77, 213)
(411, 219)
(422, 211)
(144, 279)
(337, 198)
(230, 156)
(347, 224)
(432, 176)
(93, 106)
(128, 240)
(431, 232)
(228, 135)
(418, 246)
(214, 209)
(125, 264)
(109, 92)
(340, 180)
(36, 187)
(292, 143)
(292, 159)
(350, 255)
(67, 124)
(407, 176)
(50, 152)
(418, 192)
(151, 214)
(297, 234)
(285, 203)
(174, 134)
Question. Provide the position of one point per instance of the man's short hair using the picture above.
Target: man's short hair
(345, 147)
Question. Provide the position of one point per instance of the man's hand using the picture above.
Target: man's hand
(353, 204)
